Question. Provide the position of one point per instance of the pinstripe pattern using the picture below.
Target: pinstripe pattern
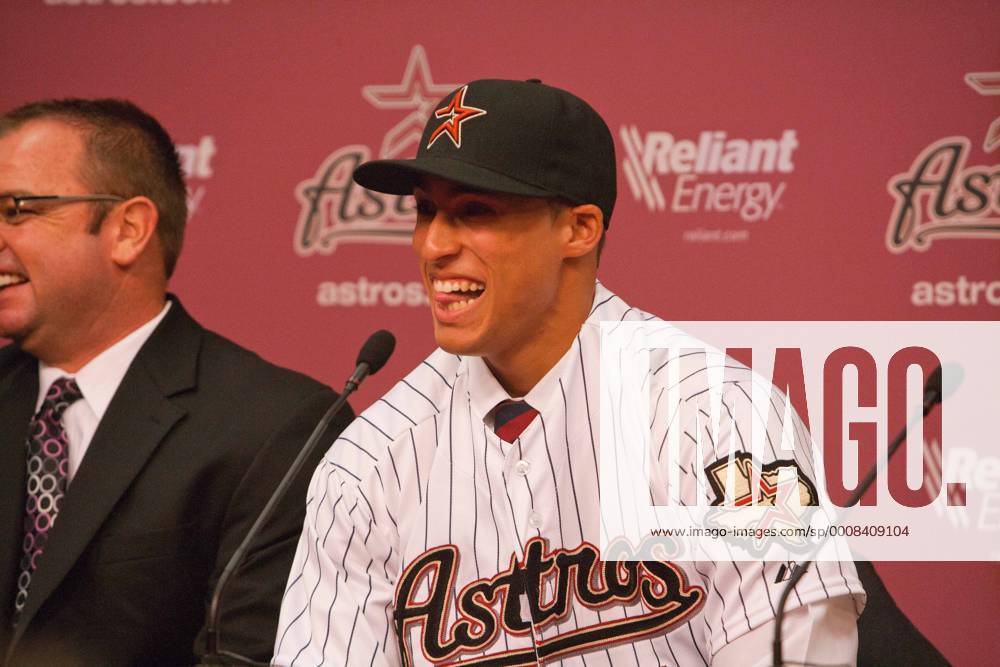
(419, 470)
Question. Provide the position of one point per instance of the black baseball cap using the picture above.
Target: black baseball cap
(517, 137)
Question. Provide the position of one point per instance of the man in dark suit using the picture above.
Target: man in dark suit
(136, 448)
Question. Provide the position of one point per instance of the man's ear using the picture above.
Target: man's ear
(131, 228)
(586, 227)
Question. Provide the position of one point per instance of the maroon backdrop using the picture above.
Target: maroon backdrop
(779, 160)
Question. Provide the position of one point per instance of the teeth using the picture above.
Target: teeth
(448, 286)
(458, 305)
(11, 279)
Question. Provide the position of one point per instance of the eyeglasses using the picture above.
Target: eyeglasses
(13, 211)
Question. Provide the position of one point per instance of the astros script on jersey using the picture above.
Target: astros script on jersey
(429, 540)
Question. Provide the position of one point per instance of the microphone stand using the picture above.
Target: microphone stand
(373, 356)
(214, 609)
(932, 396)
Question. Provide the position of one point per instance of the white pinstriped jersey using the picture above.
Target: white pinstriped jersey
(424, 531)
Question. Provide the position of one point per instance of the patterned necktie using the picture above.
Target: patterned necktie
(48, 465)
(511, 418)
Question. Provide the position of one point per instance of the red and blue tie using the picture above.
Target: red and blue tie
(510, 418)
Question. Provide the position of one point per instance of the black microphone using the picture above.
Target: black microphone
(372, 357)
(933, 393)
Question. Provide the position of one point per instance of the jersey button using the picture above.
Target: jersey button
(522, 467)
(534, 519)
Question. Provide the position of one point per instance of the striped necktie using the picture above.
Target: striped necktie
(510, 418)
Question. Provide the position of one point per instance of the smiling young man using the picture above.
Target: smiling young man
(511, 278)
(455, 521)
(136, 448)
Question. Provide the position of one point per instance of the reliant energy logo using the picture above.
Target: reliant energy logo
(196, 163)
(941, 196)
(334, 209)
(713, 172)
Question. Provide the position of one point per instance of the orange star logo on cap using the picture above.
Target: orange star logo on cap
(456, 113)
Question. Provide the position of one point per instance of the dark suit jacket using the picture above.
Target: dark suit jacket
(194, 441)
(886, 637)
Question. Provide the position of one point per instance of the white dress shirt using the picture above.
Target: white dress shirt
(98, 382)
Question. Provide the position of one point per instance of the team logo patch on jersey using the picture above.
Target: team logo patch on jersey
(755, 514)
(456, 113)
(767, 488)
(550, 583)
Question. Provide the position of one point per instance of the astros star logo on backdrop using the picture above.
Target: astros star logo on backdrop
(416, 93)
(332, 209)
(987, 83)
(456, 113)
